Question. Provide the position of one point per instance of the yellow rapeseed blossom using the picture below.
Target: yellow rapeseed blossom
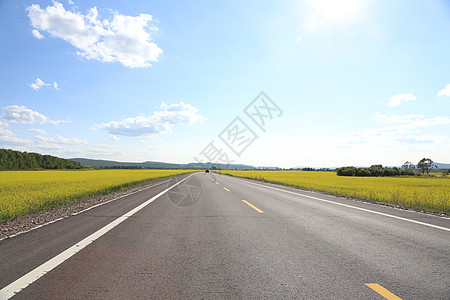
(24, 192)
(416, 192)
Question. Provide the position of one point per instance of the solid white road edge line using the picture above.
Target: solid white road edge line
(346, 205)
(24, 281)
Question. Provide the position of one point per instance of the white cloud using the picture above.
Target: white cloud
(37, 34)
(38, 131)
(15, 147)
(124, 39)
(3, 124)
(421, 139)
(179, 113)
(38, 84)
(57, 139)
(35, 86)
(53, 122)
(21, 114)
(112, 138)
(5, 132)
(160, 122)
(56, 145)
(396, 100)
(49, 146)
(104, 146)
(402, 129)
(396, 118)
(409, 122)
(9, 137)
(445, 91)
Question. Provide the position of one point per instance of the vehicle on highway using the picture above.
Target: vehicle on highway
(206, 171)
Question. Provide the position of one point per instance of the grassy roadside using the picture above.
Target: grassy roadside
(431, 193)
(25, 192)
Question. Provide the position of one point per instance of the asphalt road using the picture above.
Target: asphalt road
(200, 240)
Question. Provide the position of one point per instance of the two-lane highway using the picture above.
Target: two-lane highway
(210, 236)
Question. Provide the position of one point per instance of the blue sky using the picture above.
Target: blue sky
(354, 83)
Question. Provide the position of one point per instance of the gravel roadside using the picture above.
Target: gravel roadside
(25, 223)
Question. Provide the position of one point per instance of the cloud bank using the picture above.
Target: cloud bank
(22, 114)
(123, 39)
(403, 129)
(160, 122)
(38, 84)
(445, 91)
(396, 100)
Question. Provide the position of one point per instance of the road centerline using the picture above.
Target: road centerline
(252, 206)
(226, 189)
(382, 291)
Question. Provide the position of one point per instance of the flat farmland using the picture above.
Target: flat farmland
(415, 192)
(24, 192)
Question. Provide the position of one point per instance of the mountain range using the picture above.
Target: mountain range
(99, 163)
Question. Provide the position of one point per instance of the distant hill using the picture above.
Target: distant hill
(214, 166)
(442, 166)
(110, 164)
(100, 163)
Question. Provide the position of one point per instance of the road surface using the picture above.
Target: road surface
(210, 236)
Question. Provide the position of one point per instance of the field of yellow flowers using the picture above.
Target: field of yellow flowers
(24, 192)
(416, 192)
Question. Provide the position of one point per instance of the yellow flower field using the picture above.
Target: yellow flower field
(24, 192)
(422, 193)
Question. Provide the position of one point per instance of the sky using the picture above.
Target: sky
(319, 83)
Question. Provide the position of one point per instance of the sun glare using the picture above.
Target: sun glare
(323, 13)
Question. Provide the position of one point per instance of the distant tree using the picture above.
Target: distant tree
(405, 172)
(391, 171)
(445, 172)
(376, 170)
(363, 172)
(309, 169)
(346, 171)
(15, 160)
(408, 166)
(425, 165)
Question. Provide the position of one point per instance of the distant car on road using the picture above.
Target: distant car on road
(206, 171)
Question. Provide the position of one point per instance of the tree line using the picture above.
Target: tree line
(16, 160)
(425, 165)
(138, 168)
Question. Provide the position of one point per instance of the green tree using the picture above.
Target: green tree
(376, 170)
(425, 165)
(408, 166)
(346, 171)
(15, 160)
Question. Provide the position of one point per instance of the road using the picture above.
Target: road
(201, 240)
